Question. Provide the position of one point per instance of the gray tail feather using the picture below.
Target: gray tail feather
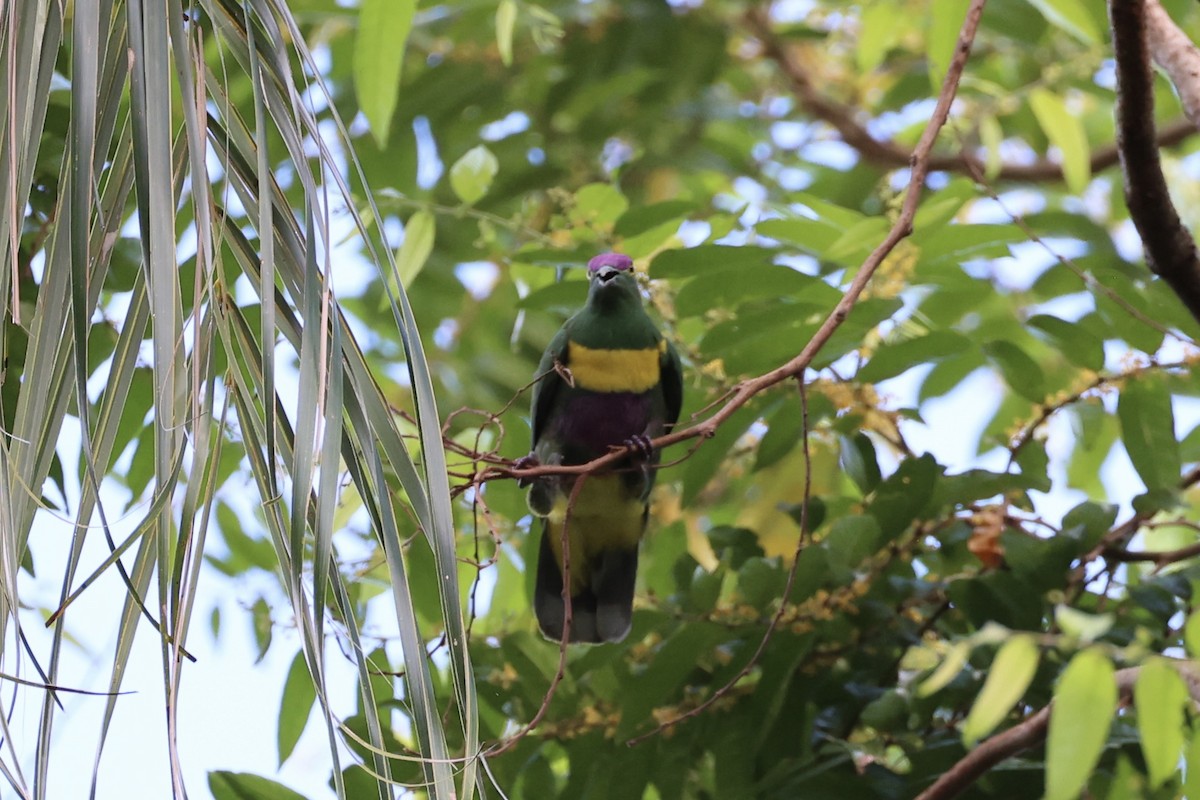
(602, 611)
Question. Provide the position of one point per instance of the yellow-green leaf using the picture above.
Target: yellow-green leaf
(879, 28)
(1160, 697)
(945, 20)
(1191, 781)
(506, 21)
(991, 135)
(1070, 15)
(1065, 131)
(1084, 704)
(1007, 680)
(947, 671)
(416, 247)
(1191, 634)
(1083, 626)
(383, 28)
(471, 176)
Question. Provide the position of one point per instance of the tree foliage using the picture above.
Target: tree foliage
(323, 257)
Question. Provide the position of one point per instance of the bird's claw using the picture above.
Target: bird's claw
(526, 462)
(640, 443)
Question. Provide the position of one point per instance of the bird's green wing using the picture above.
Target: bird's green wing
(671, 376)
(548, 383)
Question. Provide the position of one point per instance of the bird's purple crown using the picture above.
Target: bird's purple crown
(618, 261)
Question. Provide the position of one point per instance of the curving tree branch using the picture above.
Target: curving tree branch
(1172, 50)
(1170, 249)
(1029, 733)
(843, 119)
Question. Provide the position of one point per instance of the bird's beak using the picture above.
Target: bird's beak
(606, 274)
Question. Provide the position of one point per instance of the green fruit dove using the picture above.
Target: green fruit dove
(608, 379)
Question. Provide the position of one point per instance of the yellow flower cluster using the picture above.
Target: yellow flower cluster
(893, 274)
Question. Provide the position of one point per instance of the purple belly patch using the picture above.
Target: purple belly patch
(598, 421)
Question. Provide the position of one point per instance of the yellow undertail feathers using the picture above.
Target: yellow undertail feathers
(601, 370)
(605, 517)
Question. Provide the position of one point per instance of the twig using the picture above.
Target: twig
(508, 744)
(1170, 249)
(1160, 559)
(1116, 539)
(1049, 409)
(1089, 280)
(887, 153)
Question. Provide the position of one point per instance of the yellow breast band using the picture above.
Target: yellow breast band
(600, 370)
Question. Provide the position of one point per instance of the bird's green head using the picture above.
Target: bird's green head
(611, 280)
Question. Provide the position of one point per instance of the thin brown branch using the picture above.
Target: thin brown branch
(1049, 409)
(1029, 733)
(1160, 559)
(1089, 280)
(1170, 249)
(886, 153)
(1117, 538)
(901, 229)
(568, 617)
(801, 543)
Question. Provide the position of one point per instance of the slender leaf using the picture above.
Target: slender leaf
(1084, 704)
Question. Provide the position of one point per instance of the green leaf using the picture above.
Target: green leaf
(954, 244)
(1076, 343)
(1070, 15)
(506, 20)
(729, 289)
(812, 236)
(599, 205)
(991, 136)
(1191, 634)
(1089, 521)
(416, 247)
(661, 680)
(471, 176)
(263, 626)
(383, 28)
(784, 433)
(946, 671)
(761, 581)
(851, 540)
(1009, 676)
(244, 786)
(1191, 785)
(859, 461)
(1148, 431)
(1084, 704)
(899, 499)
(1065, 131)
(892, 359)
(639, 219)
(299, 695)
(945, 19)
(1021, 373)
(1161, 698)
(1081, 625)
(708, 258)
(980, 484)
(879, 29)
